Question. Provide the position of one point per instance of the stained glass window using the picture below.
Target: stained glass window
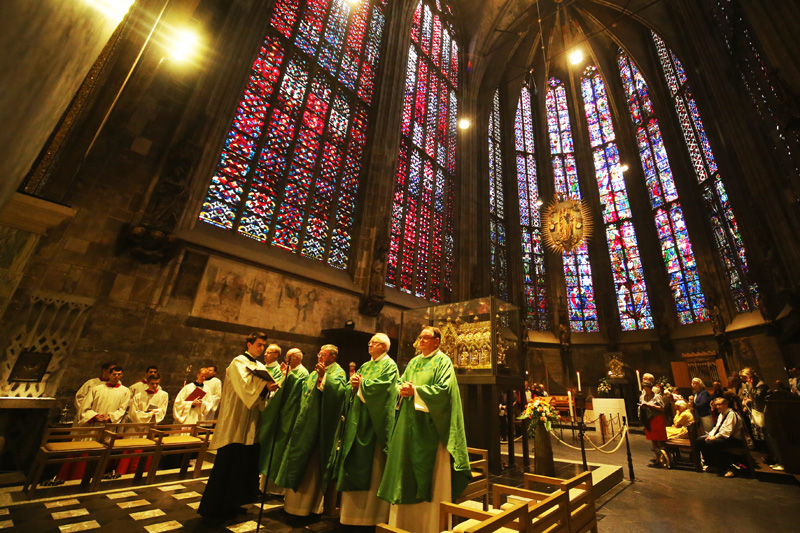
(626, 263)
(530, 215)
(717, 206)
(676, 248)
(497, 212)
(420, 260)
(577, 268)
(289, 169)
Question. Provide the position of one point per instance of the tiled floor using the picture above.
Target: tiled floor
(659, 500)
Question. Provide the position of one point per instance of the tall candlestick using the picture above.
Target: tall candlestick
(639, 380)
(579, 380)
(569, 400)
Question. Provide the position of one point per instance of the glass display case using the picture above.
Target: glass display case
(480, 336)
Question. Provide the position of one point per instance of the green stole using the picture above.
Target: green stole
(315, 428)
(277, 420)
(368, 423)
(415, 440)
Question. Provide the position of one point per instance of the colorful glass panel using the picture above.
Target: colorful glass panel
(497, 230)
(420, 259)
(577, 267)
(626, 264)
(676, 248)
(289, 169)
(530, 216)
(730, 245)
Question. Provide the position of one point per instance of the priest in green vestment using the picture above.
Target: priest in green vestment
(308, 460)
(427, 460)
(370, 419)
(278, 418)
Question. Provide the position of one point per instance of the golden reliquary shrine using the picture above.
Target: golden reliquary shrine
(480, 336)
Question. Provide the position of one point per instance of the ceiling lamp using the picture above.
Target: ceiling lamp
(464, 123)
(576, 56)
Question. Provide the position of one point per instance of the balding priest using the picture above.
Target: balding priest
(370, 419)
(427, 461)
(234, 479)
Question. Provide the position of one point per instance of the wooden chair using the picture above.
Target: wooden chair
(68, 445)
(514, 519)
(479, 486)
(580, 494)
(126, 441)
(173, 439)
(548, 511)
(675, 447)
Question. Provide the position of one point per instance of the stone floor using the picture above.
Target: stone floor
(659, 500)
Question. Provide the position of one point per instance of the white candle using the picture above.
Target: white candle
(639, 380)
(579, 381)
(569, 400)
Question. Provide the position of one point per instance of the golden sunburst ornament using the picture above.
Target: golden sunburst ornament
(567, 224)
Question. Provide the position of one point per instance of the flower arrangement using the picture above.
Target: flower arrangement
(663, 382)
(603, 387)
(540, 414)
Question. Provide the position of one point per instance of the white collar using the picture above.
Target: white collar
(383, 356)
(272, 364)
(431, 354)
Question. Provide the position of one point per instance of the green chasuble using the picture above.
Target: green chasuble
(277, 420)
(315, 428)
(368, 424)
(416, 436)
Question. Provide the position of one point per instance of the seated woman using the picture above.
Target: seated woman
(683, 418)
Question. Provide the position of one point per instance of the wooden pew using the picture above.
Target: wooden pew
(479, 486)
(580, 494)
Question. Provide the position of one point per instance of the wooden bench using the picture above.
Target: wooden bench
(126, 441)
(674, 447)
(511, 520)
(180, 439)
(68, 445)
(580, 495)
(479, 486)
(556, 505)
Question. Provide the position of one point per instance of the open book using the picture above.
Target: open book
(263, 374)
(196, 393)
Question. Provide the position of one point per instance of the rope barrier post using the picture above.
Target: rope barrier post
(628, 446)
(582, 435)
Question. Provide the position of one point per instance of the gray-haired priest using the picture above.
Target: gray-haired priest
(370, 419)
(234, 479)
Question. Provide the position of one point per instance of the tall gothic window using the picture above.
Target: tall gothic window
(530, 216)
(420, 260)
(577, 268)
(289, 170)
(497, 215)
(626, 264)
(726, 232)
(676, 248)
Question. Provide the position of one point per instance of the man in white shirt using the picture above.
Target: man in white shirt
(150, 404)
(105, 403)
(234, 479)
(105, 370)
(139, 386)
(727, 433)
(190, 407)
(213, 387)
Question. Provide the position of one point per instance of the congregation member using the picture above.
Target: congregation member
(794, 377)
(279, 417)
(193, 402)
(105, 403)
(680, 424)
(308, 463)
(427, 461)
(105, 371)
(213, 387)
(369, 422)
(234, 479)
(728, 432)
(142, 384)
(651, 413)
(149, 405)
(755, 403)
(351, 369)
(701, 401)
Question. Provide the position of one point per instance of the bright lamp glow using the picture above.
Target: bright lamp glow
(623, 168)
(464, 123)
(576, 56)
(115, 10)
(183, 44)
(353, 3)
